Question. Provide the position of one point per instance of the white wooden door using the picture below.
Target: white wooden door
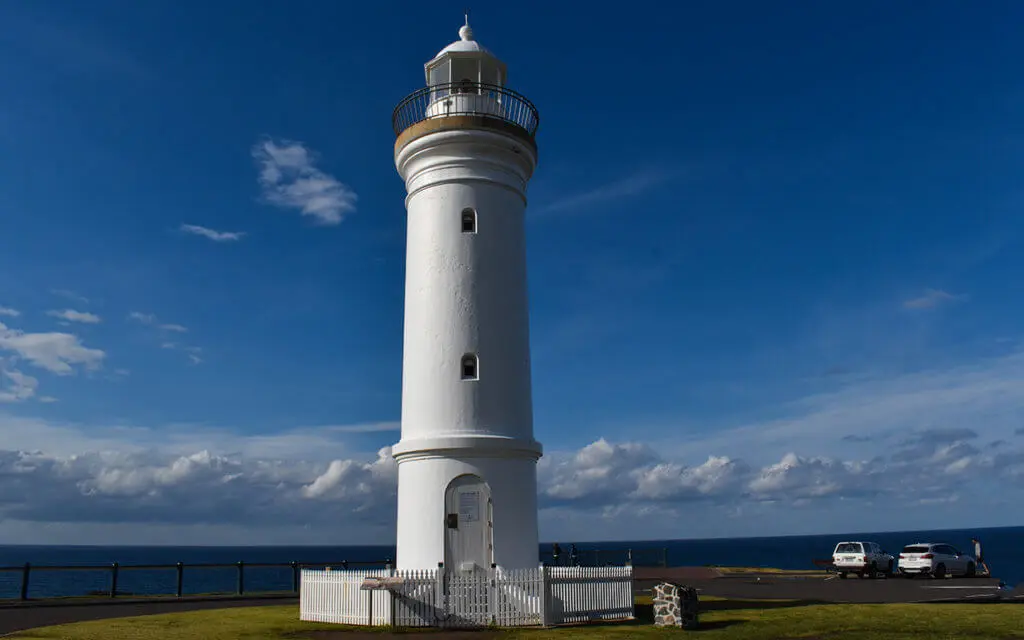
(468, 542)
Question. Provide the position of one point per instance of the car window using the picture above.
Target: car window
(945, 549)
(915, 548)
(848, 547)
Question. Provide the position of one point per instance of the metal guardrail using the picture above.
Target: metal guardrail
(175, 578)
(114, 571)
(466, 99)
(646, 557)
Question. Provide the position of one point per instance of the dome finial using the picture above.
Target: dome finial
(466, 32)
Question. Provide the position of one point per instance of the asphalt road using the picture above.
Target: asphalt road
(834, 590)
(20, 618)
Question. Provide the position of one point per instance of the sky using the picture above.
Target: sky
(775, 261)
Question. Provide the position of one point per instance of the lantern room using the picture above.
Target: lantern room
(464, 66)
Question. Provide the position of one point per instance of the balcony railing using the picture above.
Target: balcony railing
(466, 99)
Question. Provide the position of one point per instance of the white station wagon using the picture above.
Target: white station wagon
(862, 558)
(936, 559)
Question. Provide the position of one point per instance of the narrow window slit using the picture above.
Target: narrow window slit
(470, 368)
(468, 221)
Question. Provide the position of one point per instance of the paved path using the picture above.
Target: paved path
(19, 618)
(827, 589)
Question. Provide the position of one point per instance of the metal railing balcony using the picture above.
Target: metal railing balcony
(466, 99)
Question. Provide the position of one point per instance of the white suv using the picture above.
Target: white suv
(861, 558)
(936, 559)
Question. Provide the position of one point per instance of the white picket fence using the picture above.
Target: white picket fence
(442, 598)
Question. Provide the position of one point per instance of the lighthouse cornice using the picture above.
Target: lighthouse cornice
(466, 446)
(465, 155)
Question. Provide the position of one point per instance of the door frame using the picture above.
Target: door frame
(486, 510)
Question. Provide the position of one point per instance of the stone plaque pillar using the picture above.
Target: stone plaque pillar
(675, 605)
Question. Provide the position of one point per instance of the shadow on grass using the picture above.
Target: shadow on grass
(645, 617)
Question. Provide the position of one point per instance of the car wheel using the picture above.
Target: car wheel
(888, 570)
(873, 570)
(940, 571)
(972, 570)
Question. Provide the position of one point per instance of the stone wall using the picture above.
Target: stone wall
(675, 605)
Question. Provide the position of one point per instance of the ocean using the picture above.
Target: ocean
(1003, 547)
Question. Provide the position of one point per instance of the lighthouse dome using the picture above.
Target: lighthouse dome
(465, 44)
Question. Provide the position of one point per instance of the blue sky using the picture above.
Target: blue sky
(774, 253)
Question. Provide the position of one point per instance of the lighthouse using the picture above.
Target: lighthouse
(467, 457)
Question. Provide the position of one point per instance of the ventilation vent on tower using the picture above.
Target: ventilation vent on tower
(470, 367)
(468, 221)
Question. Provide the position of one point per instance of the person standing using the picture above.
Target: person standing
(979, 555)
(573, 555)
(556, 554)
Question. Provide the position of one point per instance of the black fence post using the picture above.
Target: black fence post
(295, 577)
(241, 577)
(181, 574)
(24, 580)
(113, 580)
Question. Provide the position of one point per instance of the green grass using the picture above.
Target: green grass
(728, 619)
(796, 572)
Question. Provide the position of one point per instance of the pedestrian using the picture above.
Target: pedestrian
(979, 556)
(556, 554)
(572, 555)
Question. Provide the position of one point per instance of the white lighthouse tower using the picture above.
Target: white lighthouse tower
(467, 480)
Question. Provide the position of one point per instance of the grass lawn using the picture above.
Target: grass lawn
(761, 620)
(799, 572)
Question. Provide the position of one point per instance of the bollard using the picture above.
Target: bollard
(181, 571)
(295, 577)
(241, 577)
(113, 580)
(24, 580)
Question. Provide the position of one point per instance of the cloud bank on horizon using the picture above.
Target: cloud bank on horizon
(916, 445)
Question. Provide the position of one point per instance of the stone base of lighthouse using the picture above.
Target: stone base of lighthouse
(484, 508)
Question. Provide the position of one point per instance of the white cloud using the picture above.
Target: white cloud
(212, 234)
(931, 299)
(75, 316)
(9, 312)
(631, 185)
(984, 397)
(151, 320)
(15, 386)
(290, 179)
(53, 351)
(70, 295)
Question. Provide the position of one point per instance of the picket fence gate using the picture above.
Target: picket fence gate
(444, 598)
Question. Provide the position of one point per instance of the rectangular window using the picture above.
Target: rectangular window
(468, 221)
(470, 370)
